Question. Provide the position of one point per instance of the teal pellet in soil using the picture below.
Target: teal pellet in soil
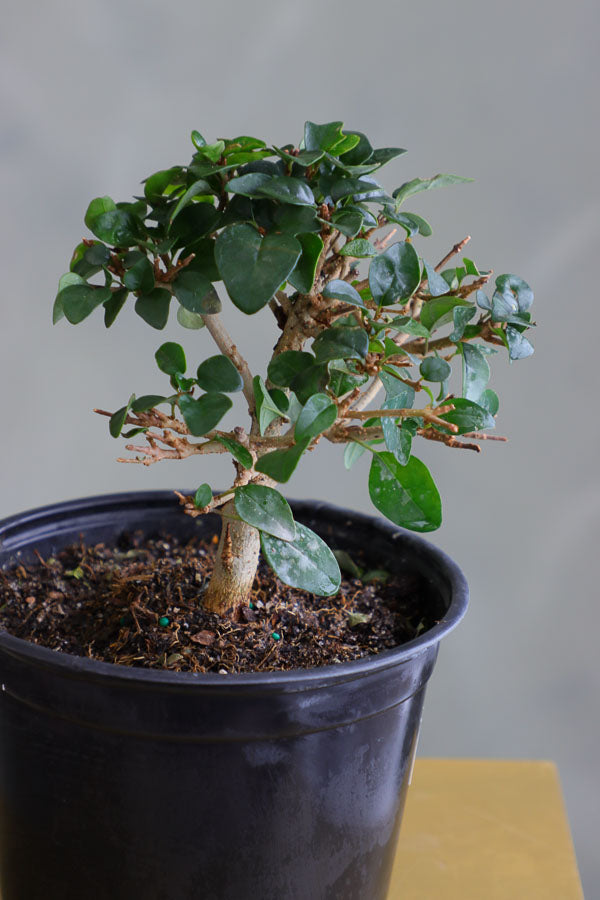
(276, 636)
(164, 621)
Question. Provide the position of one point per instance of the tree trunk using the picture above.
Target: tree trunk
(235, 566)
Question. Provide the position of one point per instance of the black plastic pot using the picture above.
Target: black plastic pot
(118, 783)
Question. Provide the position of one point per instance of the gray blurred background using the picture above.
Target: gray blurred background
(96, 95)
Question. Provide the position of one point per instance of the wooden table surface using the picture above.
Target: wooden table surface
(485, 830)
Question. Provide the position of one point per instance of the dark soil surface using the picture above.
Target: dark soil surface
(138, 604)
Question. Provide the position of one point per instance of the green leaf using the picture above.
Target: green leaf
(113, 306)
(156, 185)
(425, 184)
(203, 496)
(306, 562)
(212, 152)
(237, 450)
(518, 345)
(394, 274)
(148, 401)
(514, 289)
(204, 414)
(265, 509)
(69, 278)
(341, 343)
(322, 137)
(433, 368)
(489, 401)
(197, 140)
(402, 394)
(411, 222)
(409, 326)
(310, 381)
(78, 301)
(253, 267)
(468, 416)
(117, 227)
(384, 154)
(153, 308)
(358, 249)
(170, 359)
(398, 439)
(189, 319)
(266, 409)
(288, 190)
(280, 464)
(318, 414)
(218, 374)
(461, 315)
(248, 185)
(347, 564)
(341, 290)
(436, 285)
(285, 367)
(97, 207)
(195, 222)
(303, 276)
(406, 495)
(295, 220)
(196, 293)
(475, 371)
(204, 259)
(348, 222)
(140, 277)
(197, 189)
(438, 311)
(352, 452)
(117, 420)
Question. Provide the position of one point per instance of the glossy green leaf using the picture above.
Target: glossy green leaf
(304, 158)
(402, 394)
(117, 420)
(170, 359)
(475, 371)
(384, 154)
(117, 227)
(253, 267)
(287, 365)
(411, 222)
(203, 496)
(196, 293)
(394, 274)
(296, 220)
(212, 152)
(406, 495)
(310, 381)
(69, 278)
(218, 374)
(204, 414)
(266, 409)
(280, 464)
(322, 137)
(433, 368)
(460, 316)
(518, 345)
(189, 319)
(511, 286)
(148, 401)
(341, 343)
(153, 308)
(303, 276)
(248, 185)
(318, 414)
(194, 223)
(237, 450)
(407, 325)
(341, 290)
(436, 285)
(288, 190)
(352, 452)
(349, 222)
(113, 306)
(468, 416)
(358, 249)
(398, 439)
(306, 562)
(97, 207)
(438, 311)
(140, 277)
(199, 188)
(489, 401)
(157, 184)
(425, 184)
(80, 300)
(264, 508)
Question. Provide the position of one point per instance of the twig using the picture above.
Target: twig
(430, 415)
(456, 249)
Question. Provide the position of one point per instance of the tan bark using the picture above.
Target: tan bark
(235, 566)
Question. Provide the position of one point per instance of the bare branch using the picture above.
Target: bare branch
(456, 249)
(430, 415)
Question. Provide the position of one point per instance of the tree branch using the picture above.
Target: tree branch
(223, 341)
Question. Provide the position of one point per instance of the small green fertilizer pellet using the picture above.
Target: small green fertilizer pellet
(164, 621)
(276, 636)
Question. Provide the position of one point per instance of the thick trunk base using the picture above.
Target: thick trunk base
(235, 566)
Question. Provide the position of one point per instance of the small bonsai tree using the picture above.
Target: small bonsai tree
(308, 233)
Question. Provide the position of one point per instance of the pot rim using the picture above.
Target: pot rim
(14, 526)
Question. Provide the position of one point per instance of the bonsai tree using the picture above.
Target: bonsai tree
(366, 331)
